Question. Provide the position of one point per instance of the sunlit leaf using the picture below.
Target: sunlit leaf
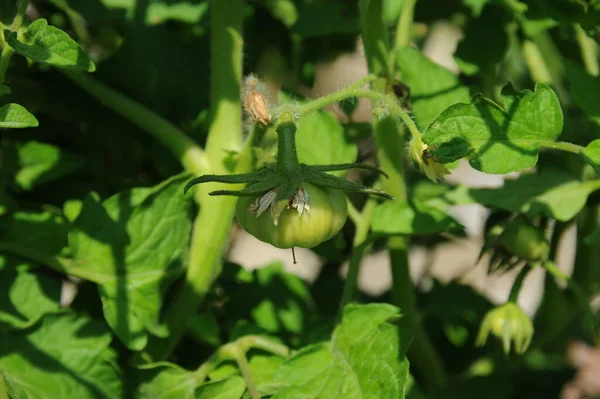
(63, 355)
(366, 356)
(591, 154)
(15, 116)
(49, 45)
(133, 246)
(495, 139)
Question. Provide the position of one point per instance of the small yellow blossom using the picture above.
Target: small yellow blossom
(509, 323)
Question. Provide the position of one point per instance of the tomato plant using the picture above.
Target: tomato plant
(145, 144)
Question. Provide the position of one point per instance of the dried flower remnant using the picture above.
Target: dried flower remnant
(255, 100)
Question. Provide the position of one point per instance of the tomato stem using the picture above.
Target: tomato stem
(287, 157)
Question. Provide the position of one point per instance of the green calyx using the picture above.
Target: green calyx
(288, 175)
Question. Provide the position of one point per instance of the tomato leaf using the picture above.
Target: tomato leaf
(63, 353)
(366, 355)
(169, 381)
(15, 116)
(4, 90)
(41, 163)
(25, 297)
(49, 45)
(433, 88)
(497, 140)
(552, 193)
(404, 218)
(591, 154)
(133, 245)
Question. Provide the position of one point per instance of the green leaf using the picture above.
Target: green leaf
(231, 388)
(41, 163)
(404, 218)
(15, 116)
(169, 381)
(49, 45)
(552, 193)
(276, 301)
(584, 89)
(25, 297)
(433, 88)
(4, 90)
(497, 140)
(366, 356)
(591, 154)
(62, 356)
(133, 245)
(470, 55)
(43, 231)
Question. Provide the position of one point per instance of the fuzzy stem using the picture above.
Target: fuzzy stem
(242, 362)
(287, 157)
(589, 51)
(517, 284)
(228, 352)
(8, 51)
(336, 96)
(405, 24)
(211, 227)
(562, 146)
(359, 247)
(183, 148)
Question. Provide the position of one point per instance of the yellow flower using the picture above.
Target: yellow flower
(420, 155)
(509, 323)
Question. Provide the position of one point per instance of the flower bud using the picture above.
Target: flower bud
(255, 100)
(422, 159)
(509, 323)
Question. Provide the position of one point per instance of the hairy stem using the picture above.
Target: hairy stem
(7, 51)
(336, 96)
(359, 247)
(562, 146)
(211, 227)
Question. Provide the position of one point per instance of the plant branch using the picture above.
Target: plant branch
(346, 92)
(562, 146)
(243, 344)
(212, 225)
(191, 156)
(8, 51)
(242, 362)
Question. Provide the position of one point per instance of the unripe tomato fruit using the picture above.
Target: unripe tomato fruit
(525, 240)
(327, 215)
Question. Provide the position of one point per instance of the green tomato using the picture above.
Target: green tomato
(525, 240)
(327, 215)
